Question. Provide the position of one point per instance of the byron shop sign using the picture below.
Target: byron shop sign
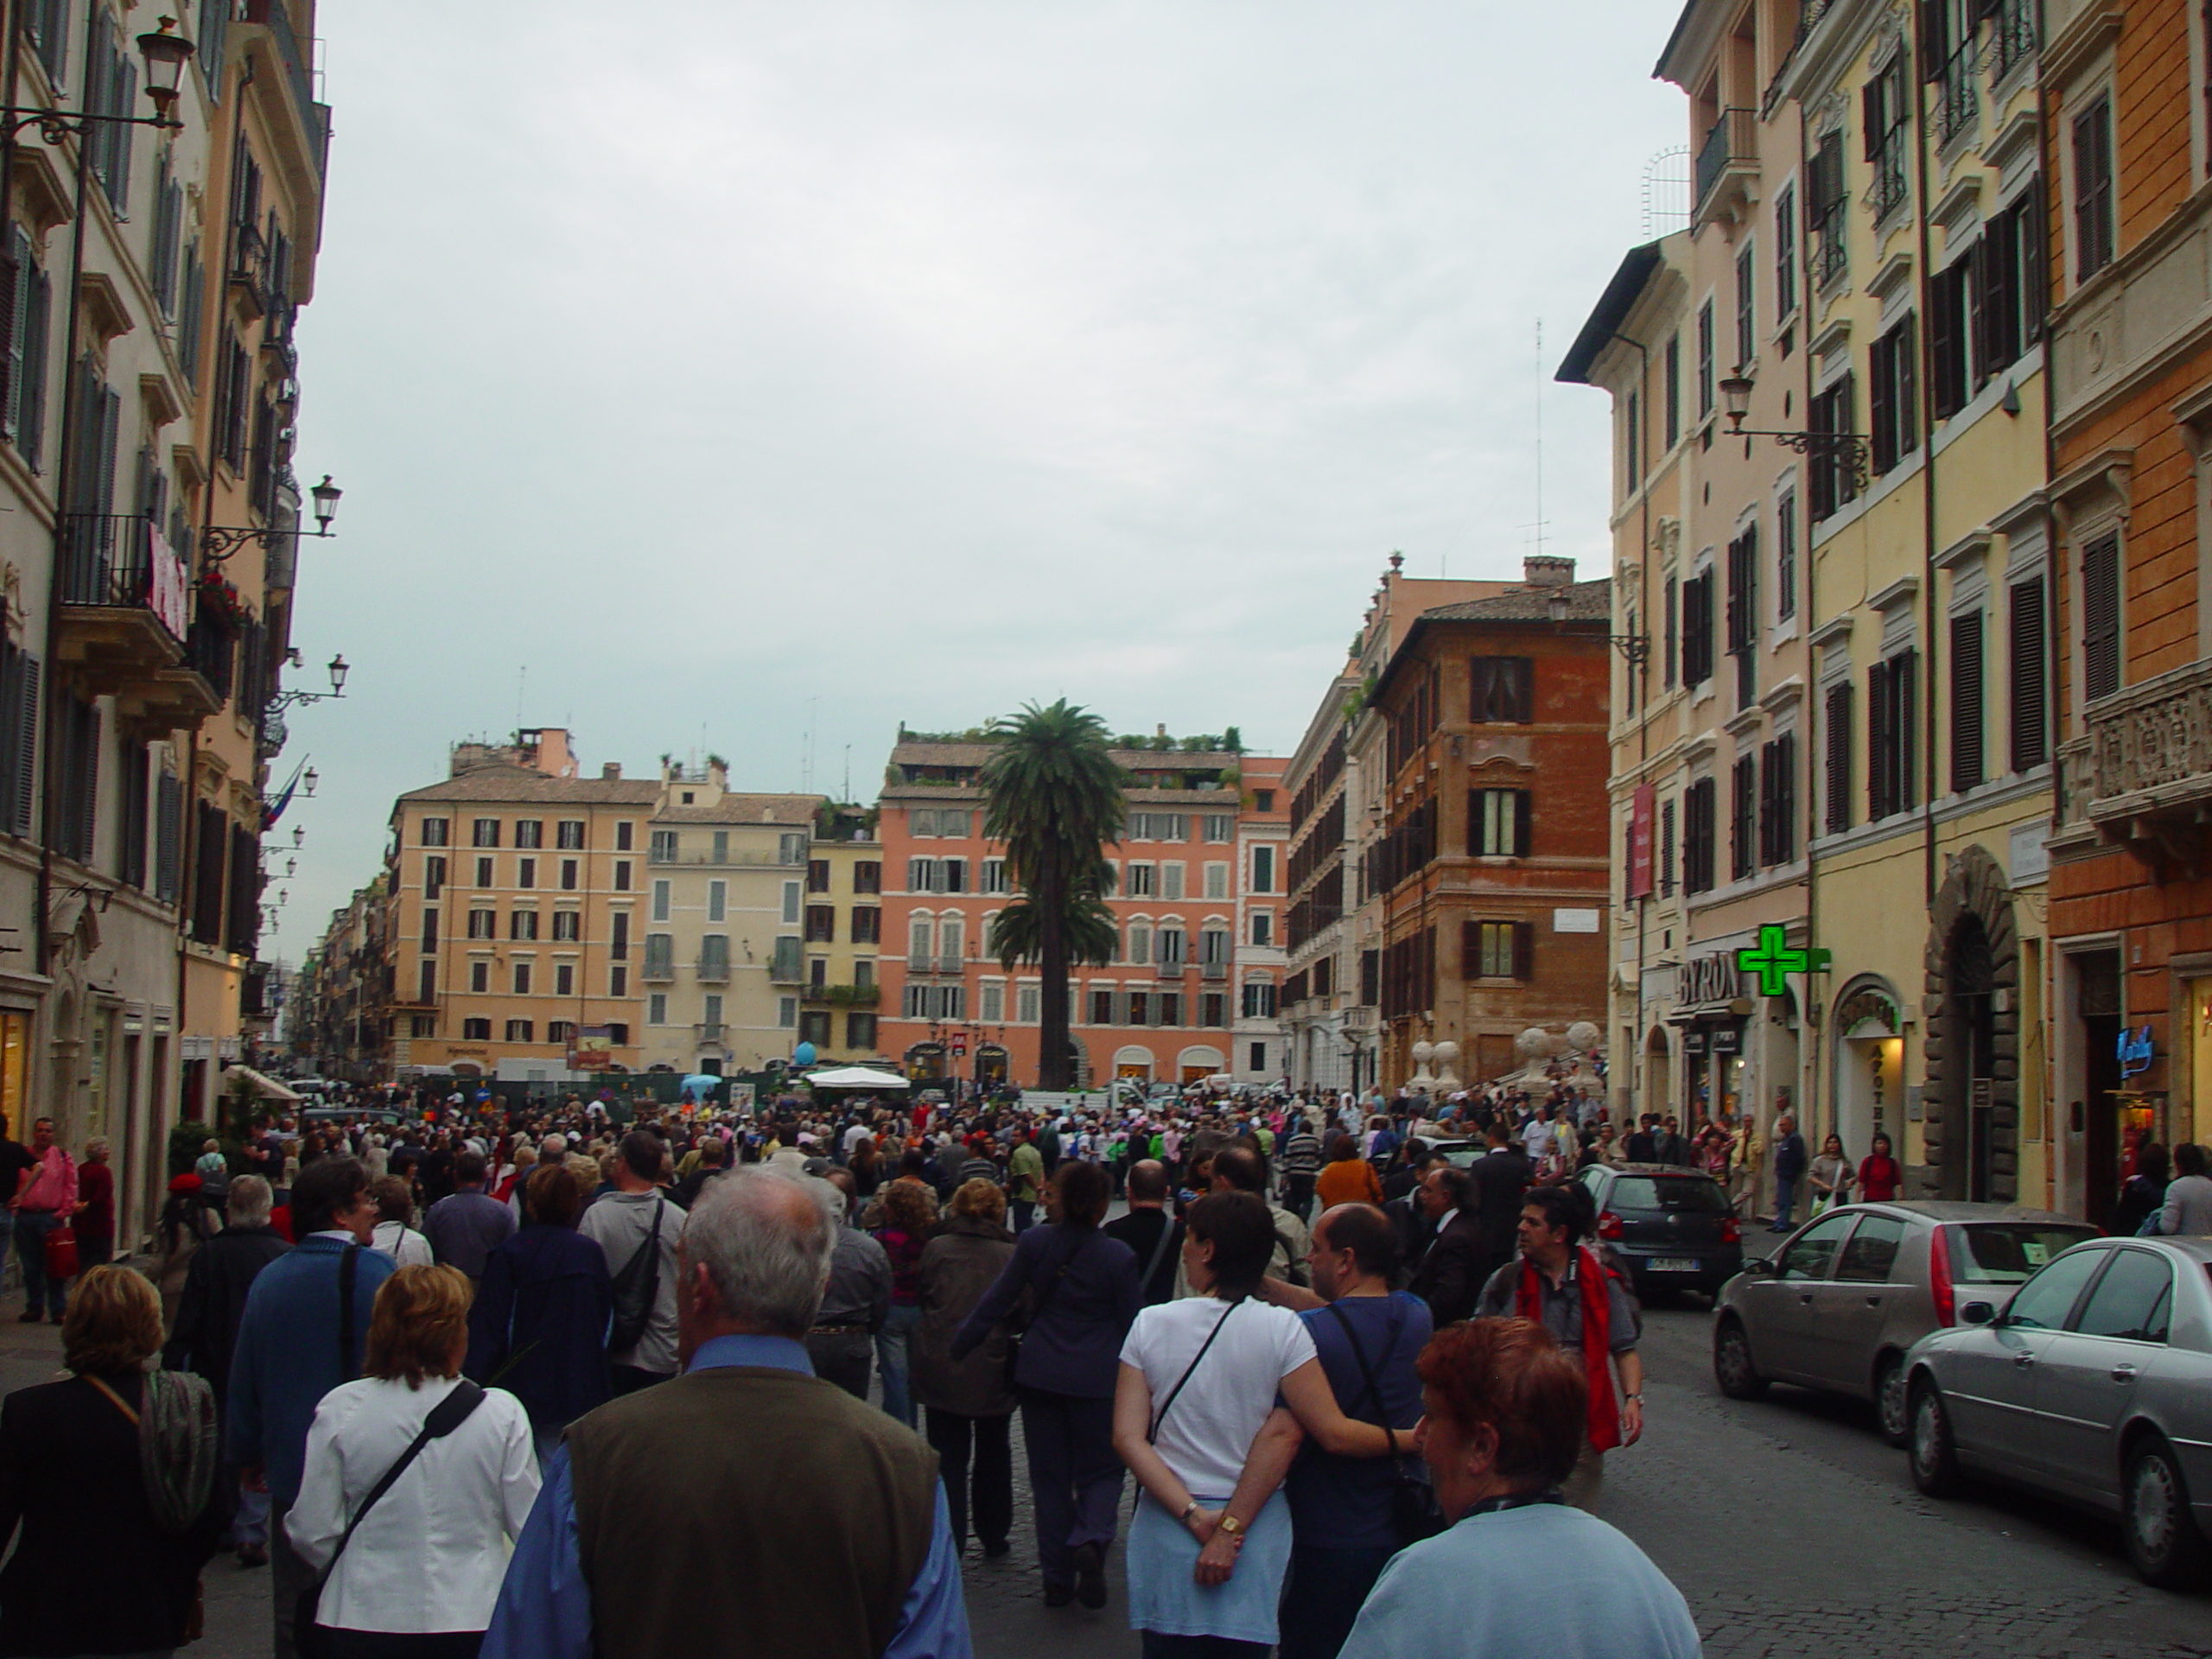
(1711, 979)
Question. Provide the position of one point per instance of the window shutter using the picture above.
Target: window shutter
(15, 297)
(1482, 679)
(2029, 645)
(1879, 755)
(1836, 755)
(1521, 682)
(1870, 119)
(2100, 618)
(31, 407)
(102, 494)
(1905, 674)
(1524, 951)
(1966, 702)
(87, 764)
(1470, 950)
(1523, 813)
(126, 103)
(23, 705)
(1935, 38)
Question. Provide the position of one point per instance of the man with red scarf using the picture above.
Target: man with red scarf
(1562, 1285)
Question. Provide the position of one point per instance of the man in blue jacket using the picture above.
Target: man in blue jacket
(306, 1322)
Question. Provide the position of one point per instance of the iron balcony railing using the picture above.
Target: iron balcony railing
(714, 969)
(2012, 37)
(1733, 137)
(1958, 99)
(122, 562)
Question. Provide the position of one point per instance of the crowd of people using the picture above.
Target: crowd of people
(1352, 1375)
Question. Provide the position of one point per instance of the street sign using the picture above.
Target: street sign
(1772, 960)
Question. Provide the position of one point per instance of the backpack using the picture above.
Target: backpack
(637, 1290)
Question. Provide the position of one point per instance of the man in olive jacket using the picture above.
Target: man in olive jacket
(746, 1507)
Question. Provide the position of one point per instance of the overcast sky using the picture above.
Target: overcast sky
(706, 373)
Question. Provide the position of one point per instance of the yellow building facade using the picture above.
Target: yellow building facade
(1927, 590)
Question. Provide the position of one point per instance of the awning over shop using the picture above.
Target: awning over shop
(268, 1088)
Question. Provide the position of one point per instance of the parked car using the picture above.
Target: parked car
(2093, 1384)
(1845, 1296)
(1672, 1228)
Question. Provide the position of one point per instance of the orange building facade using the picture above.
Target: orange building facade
(2127, 149)
(1194, 991)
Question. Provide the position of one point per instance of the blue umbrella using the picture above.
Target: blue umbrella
(701, 1086)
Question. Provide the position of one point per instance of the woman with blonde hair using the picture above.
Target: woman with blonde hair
(110, 1476)
(414, 1573)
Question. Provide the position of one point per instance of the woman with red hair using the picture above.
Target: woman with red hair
(1504, 1418)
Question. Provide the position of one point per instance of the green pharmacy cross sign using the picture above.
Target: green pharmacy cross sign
(1771, 959)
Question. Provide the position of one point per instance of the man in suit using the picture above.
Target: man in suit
(1501, 1176)
(1451, 1274)
(206, 1331)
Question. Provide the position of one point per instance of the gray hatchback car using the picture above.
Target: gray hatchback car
(1841, 1300)
(2094, 1384)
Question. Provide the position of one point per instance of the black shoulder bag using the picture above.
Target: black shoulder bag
(1413, 1502)
(309, 1639)
(1044, 1300)
(637, 1290)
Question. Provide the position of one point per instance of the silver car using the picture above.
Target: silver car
(2094, 1383)
(1841, 1300)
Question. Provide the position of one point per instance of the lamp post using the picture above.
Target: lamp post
(218, 542)
(338, 670)
(1848, 451)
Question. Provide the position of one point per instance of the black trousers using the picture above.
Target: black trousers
(985, 1487)
(395, 1644)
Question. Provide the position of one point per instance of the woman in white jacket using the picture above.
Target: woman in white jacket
(419, 1579)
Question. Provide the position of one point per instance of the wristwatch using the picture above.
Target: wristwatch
(1231, 1525)
(1638, 1395)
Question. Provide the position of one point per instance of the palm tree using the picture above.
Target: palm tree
(1052, 796)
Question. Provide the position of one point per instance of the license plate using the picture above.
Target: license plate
(1672, 1264)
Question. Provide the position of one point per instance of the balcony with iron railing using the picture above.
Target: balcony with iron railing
(659, 967)
(1727, 163)
(122, 629)
(2011, 37)
(714, 969)
(2141, 773)
(250, 275)
(1958, 95)
(843, 996)
(710, 1030)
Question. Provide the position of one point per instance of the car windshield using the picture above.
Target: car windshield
(2007, 1252)
(1689, 1194)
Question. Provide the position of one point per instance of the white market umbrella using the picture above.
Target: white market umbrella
(855, 1077)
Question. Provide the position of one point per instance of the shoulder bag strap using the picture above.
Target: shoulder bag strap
(1159, 1417)
(1359, 1354)
(446, 1416)
(1159, 1251)
(347, 1270)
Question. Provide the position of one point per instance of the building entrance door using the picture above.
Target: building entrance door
(2097, 980)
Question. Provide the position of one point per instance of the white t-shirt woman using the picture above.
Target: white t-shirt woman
(1195, 1419)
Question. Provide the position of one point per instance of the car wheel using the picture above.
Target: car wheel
(1934, 1456)
(2163, 1541)
(1732, 1363)
(1892, 1404)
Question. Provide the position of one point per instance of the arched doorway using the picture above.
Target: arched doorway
(1130, 1061)
(1199, 1062)
(990, 1065)
(1973, 1091)
(1868, 1058)
(926, 1062)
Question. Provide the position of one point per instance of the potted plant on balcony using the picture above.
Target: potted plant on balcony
(220, 600)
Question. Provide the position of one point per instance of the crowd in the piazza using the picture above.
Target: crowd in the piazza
(518, 1378)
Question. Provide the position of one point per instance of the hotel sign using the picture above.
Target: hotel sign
(1711, 979)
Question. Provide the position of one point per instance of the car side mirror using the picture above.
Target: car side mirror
(1978, 1313)
(1758, 1266)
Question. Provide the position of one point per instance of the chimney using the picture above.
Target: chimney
(1161, 730)
(611, 771)
(1546, 570)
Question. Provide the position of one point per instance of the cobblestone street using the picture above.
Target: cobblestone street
(1792, 1530)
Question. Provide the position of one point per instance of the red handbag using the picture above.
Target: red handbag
(61, 1253)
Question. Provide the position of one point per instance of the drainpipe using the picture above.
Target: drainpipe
(1642, 673)
(1926, 364)
(1812, 1016)
(2055, 1137)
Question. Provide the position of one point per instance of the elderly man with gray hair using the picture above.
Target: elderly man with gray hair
(205, 1332)
(747, 1506)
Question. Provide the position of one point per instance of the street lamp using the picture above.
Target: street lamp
(218, 542)
(338, 670)
(166, 53)
(1848, 452)
(309, 779)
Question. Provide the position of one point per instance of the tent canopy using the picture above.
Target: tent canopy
(267, 1087)
(855, 1077)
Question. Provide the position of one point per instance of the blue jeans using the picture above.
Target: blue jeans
(251, 1524)
(893, 1347)
(1025, 1211)
(1322, 1595)
(31, 1227)
(1785, 1200)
